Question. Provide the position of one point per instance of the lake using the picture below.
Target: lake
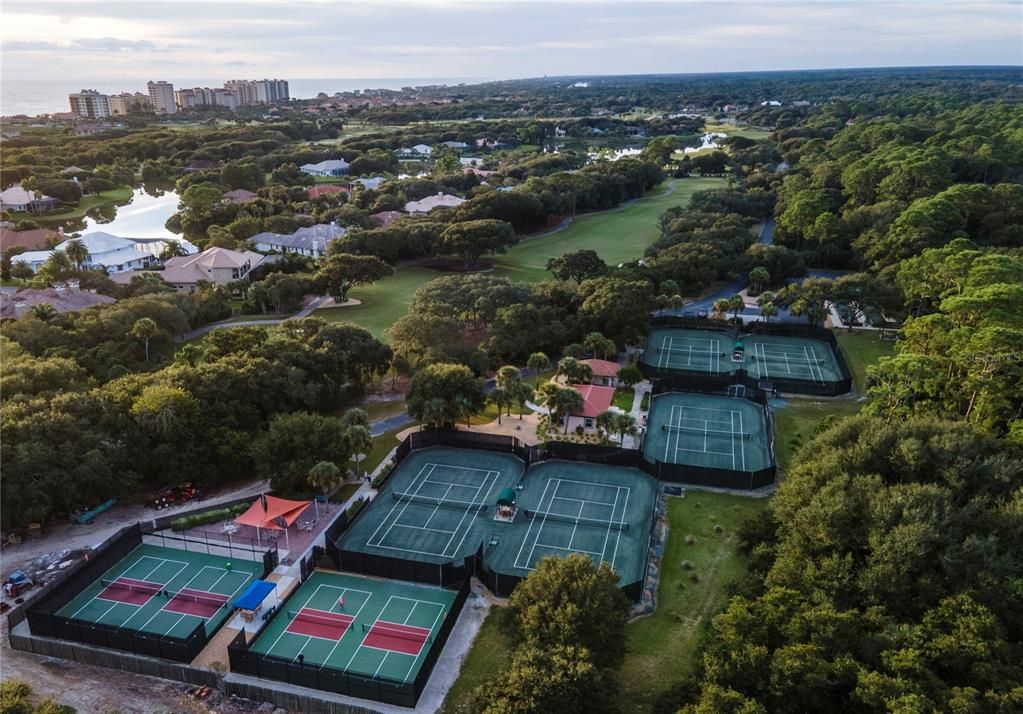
(143, 216)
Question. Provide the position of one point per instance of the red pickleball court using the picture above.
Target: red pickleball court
(130, 591)
(320, 623)
(196, 602)
(397, 637)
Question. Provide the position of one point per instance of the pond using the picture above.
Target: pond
(143, 216)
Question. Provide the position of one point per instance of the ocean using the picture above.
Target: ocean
(19, 96)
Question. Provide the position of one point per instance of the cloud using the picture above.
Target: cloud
(82, 44)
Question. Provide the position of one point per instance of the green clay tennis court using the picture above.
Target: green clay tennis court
(711, 431)
(435, 506)
(164, 591)
(603, 512)
(765, 356)
(364, 626)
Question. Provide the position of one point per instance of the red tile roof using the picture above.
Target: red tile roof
(596, 399)
(602, 367)
(326, 189)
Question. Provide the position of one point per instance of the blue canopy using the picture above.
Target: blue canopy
(254, 595)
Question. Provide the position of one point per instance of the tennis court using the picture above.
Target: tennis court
(766, 357)
(434, 507)
(565, 507)
(712, 431)
(363, 626)
(164, 591)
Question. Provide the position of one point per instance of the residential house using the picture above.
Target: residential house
(311, 241)
(112, 253)
(370, 184)
(596, 401)
(213, 265)
(17, 198)
(240, 195)
(441, 200)
(35, 239)
(605, 372)
(419, 151)
(386, 218)
(485, 143)
(469, 161)
(326, 189)
(330, 167)
(456, 144)
(63, 297)
(482, 173)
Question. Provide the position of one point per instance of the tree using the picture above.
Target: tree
(677, 302)
(76, 252)
(599, 346)
(808, 299)
(736, 305)
(758, 278)
(578, 266)
(541, 680)
(455, 388)
(507, 378)
(145, 330)
(721, 307)
(861, 294)
(419, 338)
(562, 402)
(520, 393)
(615, 422)
(173, 249)
(500, 397)
(574, 371)
(21, 270)
(570, 601)
(293, 444)
(340, 272)
(538, 362)
(471, 240)
(358, 436)
(630, 375)
(325, 476)
(44, 312)
(445, 160)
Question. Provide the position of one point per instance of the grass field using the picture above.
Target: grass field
(796, 422)
(617, 235)
(490, 654)
(661, 647)
(624, 397)
(747, 132)
(863, 348)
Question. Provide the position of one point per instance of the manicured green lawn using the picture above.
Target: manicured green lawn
(617, 235)
(863, 348)
(383, 302)
(747, 132)
(661, 647)
(796, 421)
(624, 397)
(490, 654)
(117, 195)
(382, 446)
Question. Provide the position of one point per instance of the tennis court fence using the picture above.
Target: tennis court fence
(330, 679)
(713, 380)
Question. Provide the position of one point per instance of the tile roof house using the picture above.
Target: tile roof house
(311, 241)
(386, 218)
(63, 297)
(213, 265)
(240, 195)
(35, 239)
(370, 184)
(441, 200)
(327, 189)
(17, 198)
(114, 253)
(330, 167)
(596, 401)
(604, 372)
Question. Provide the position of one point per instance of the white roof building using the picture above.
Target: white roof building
(370, 184)
(441, 200)
(114, 253)
(330, 167)
(311, 241)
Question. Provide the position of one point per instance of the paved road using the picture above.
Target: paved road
(206, 329)
(767, 233)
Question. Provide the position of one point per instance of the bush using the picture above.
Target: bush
(201, 519)
(356, 507)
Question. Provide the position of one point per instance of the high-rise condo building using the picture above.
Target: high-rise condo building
(162, 95)
(90, 103)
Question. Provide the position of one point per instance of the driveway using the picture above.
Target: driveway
(206, 329)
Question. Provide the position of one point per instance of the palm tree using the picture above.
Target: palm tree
(500, 397)
(59, 264)
(574, 350)
(22, 271)
(144, 330)
(325, 476)
(435, 412)
(172, 250)
(360, 442)
(677, 303)
(76, 252)
(721, 306)
(507, 377)
(566, 402)
(607, 422)
(736, 305)
(758, 278)
(574, 371)
(768, 310)
(463, 407)
(44, 312)
(521, 393)
(625, 425)
(597, 344)
(538, 362)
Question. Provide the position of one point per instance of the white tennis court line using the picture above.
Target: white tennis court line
(402, 505)
(96, 597)
(183, 616)
(529, 529)
(350, 624)
(139, 608)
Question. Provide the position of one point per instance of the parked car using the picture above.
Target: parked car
(702, 313)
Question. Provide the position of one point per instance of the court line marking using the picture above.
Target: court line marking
(618, 540)
(173, 577)
(183, 587)
(349, 627)
(403, 506)
(96, 597)
(532, 522)
(497, 476)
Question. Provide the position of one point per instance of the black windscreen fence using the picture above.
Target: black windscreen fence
(340, 681)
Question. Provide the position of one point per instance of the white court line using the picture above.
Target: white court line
(618, 540)
(132, 615)
(350, 625)
(96, 597)
(403, 507)
(550, 546)
(607, 535)
(544, 521)
(733, 440)
(742, 445)
(440, 611)
(497, 475)
(532, 522)
(179, 589)
(423, 528)
(464, 514)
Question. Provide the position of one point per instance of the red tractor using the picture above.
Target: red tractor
(174, 495)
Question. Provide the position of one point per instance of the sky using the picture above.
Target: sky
(141, 40)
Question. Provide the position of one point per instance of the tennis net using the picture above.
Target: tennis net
(591, 522)
(690, 350)
(320, 618)
(211, 599)
(697, 431)
(135, 586)
(392, 631)
(430, 501)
